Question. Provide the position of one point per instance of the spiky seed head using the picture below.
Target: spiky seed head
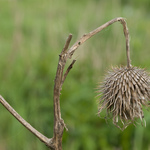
(123, 93)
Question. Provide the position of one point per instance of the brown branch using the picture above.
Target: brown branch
(44, 139)
(67, 71)
(126, 33)
(92, 33)
(58, 121)
(66, 44)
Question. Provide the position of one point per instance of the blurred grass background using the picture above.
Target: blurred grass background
(32, 35)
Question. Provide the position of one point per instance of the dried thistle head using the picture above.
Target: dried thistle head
(123, 93)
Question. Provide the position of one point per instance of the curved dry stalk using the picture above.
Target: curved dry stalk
(68, 70)
(92, 33)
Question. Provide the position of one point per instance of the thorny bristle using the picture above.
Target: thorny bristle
(123, 93)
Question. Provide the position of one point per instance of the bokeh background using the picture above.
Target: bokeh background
(32, 35)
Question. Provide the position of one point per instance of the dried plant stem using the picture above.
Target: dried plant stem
(92, 33)
(43, 138)
(68, 70)
(126, 33)
(58, 121)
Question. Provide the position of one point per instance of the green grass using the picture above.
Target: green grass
(32, 34)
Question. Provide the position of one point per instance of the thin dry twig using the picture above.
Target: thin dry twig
(68, 70)
(85, 37)
(42, 138)
(66, 44)
(126, 33)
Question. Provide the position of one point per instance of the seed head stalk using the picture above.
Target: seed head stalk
(126, 33)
